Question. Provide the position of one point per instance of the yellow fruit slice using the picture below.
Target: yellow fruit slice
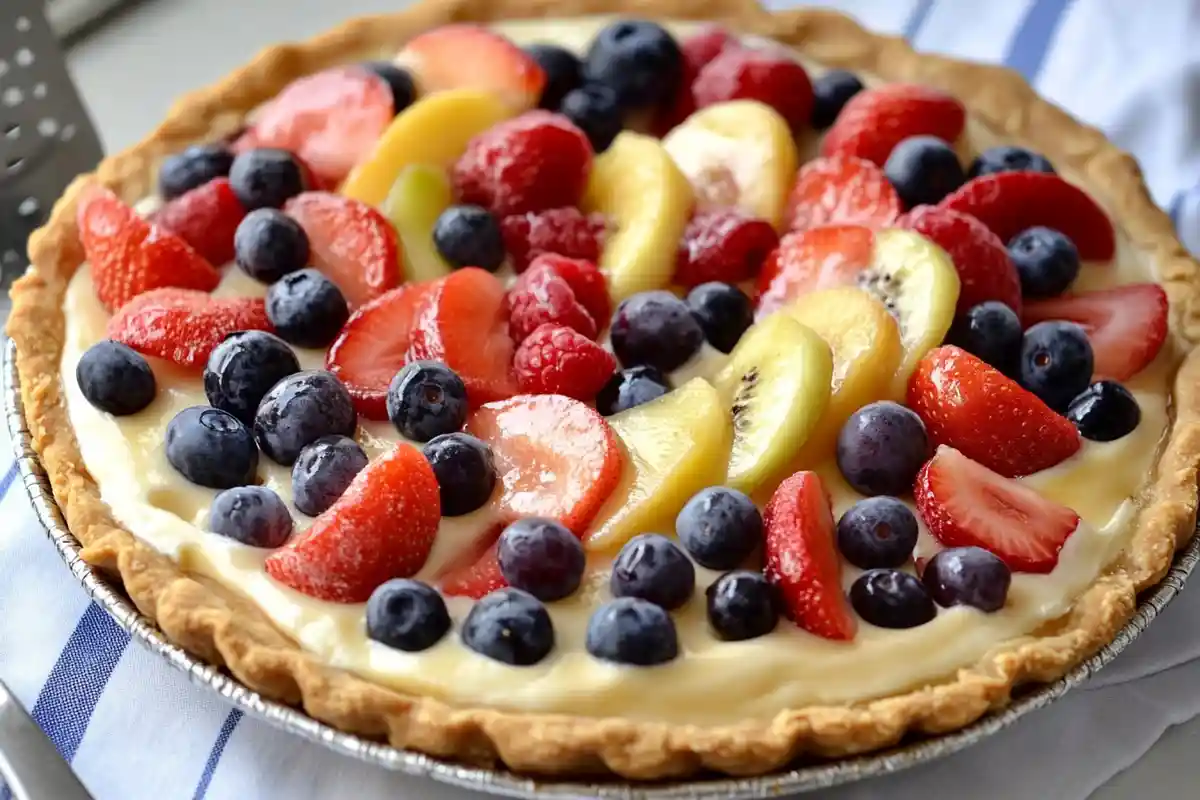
(637, 186)
(418, 197)
(676, 445)
(740, 153)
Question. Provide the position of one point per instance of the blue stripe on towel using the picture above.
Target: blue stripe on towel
(6, 482)
(1031, 43)
(214, 755)
(916, 19)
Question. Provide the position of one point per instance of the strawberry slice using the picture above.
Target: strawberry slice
(806, 261)
(471, 56)
(971, 406)
(373, 346)
(382, 527)
(206, 218)
(965, 504)
(129, 255)
(1127, 325)
(555, 457)
(877, 119)
(841, 191)
(1010, 202)
(184, 325)
(801, 558)
(476, 572)
(352, 243)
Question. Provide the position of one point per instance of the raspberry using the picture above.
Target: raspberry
(698, 49)
(543, 296)
(723, 245)
(766, 75)
(585, 281)
(565, 231)
(206, 218)
(557, 360)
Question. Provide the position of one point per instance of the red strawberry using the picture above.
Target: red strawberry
(206, 218)
(537, 161)
(475, 577)
(768, 75)
(804, 262)
(352, 243)
(129, 255)
(980, 257)
(802, 560)
(1127, 325)
(964, 504)
(463, 321)
(841, 190)
(585, 280)
(184, 325)
(1010, 202)
(555, 457)
(471, 56)
(562, 231)
(382, 527)
(698, 49)
(876, 119)
(723, 245)
(542, 296)
(557, 360)
(971, 406)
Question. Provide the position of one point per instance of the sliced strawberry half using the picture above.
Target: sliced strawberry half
(806, 261)
(1010, 202)
(471, 56)
(476, 572)
(382, 527)
(206, 218)
(877, 119)
(842, 190)
(802, 559)
(965, 504)
(971, 406)
(1126, 325)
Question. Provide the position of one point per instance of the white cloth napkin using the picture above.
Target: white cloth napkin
(134, 728)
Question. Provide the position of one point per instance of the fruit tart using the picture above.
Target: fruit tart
(582, 388)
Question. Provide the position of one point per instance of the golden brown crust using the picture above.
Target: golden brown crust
(223, 627)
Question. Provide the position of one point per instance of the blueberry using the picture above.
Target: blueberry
(211, 447)
(300, 409)
(1008, 158)
(889, 598)
(307, 309)
(407, 615)
(742, 605)
(269, 244)
(877, 532)
(594, 109)
(719, 527)
(831, 92)
(1047, 261)
(469, 236)
(638, 60)
(398, 79)
(630, 388)
(1056, 362)
(563, 72)
(242, 369)
(426, 399)
(654, 568)
(630, 630)
(923, 170)
(655, 328)
(992, 331)
(1105, 411)
(323, 471)
(510, 626)
(194, 167)
(967, 576)
(266, 178)
(252, 515)
(881, 448)
(115, 378)
(465, 471)
(542, 557)
(723, 311)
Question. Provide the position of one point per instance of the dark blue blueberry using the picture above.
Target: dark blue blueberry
(211, 447)
(115, 378)
(967, 576)
(510, 626)
(742, 605)
(266, 178)
(407, 615)
(194, 167)
(654, 568)
(638, 60)
(719, 527)
(655, 328)
(398, 79)
(563, 72)
(465, 470)
(1056, 362)
(323, 471)
(1047, 261)
(594, 109)
(300, 409)
(542, 557)
(881, 448)
(723, 311)
(877, 532)
(831, 92)
(1008, 158)
(469, 236)
(631, 387)
(630, 630)
(889, 598)
(427, 399)
(307, 309)
(923, 170)
(269, 244)
(242, 369)
(992, 331)
(252, 515)
(1105, 411)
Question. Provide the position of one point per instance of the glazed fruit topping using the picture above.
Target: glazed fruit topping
(720, 527)
(563, 231)
(252, 515)
(495, 64)
(967, 576)
(639, 60)
(1046, 261)
(629, 630)
(408, 615)
(724, 312)
(300, 409)
(1056, 362)
(831, 91)
(1008, 158)
(725, 245)
(192, 168)
(742, 605)
(115, 378)
(509, 626)
(465, 470)
(543, 296)
(1105, 411)
(814, 259)
(542, 557)
(243, 368)
(841, 190)
(657, 329)
(398, 79)
(877, 119)
(889, 598)
(991, 331)
(769, 75)
(563, 69)
(323, 471)
(267, 177)
(924, 169)
(631, 387)
(306, 308)
(211, 448)
(469, 236)
(555, 359)
(653, 568)
(586, 282)
(269, 244)
(206, 217)
(595, 110)
(881, 447)
(877, 533)
(426, 399)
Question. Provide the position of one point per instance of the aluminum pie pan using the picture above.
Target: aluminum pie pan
(808, 777)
